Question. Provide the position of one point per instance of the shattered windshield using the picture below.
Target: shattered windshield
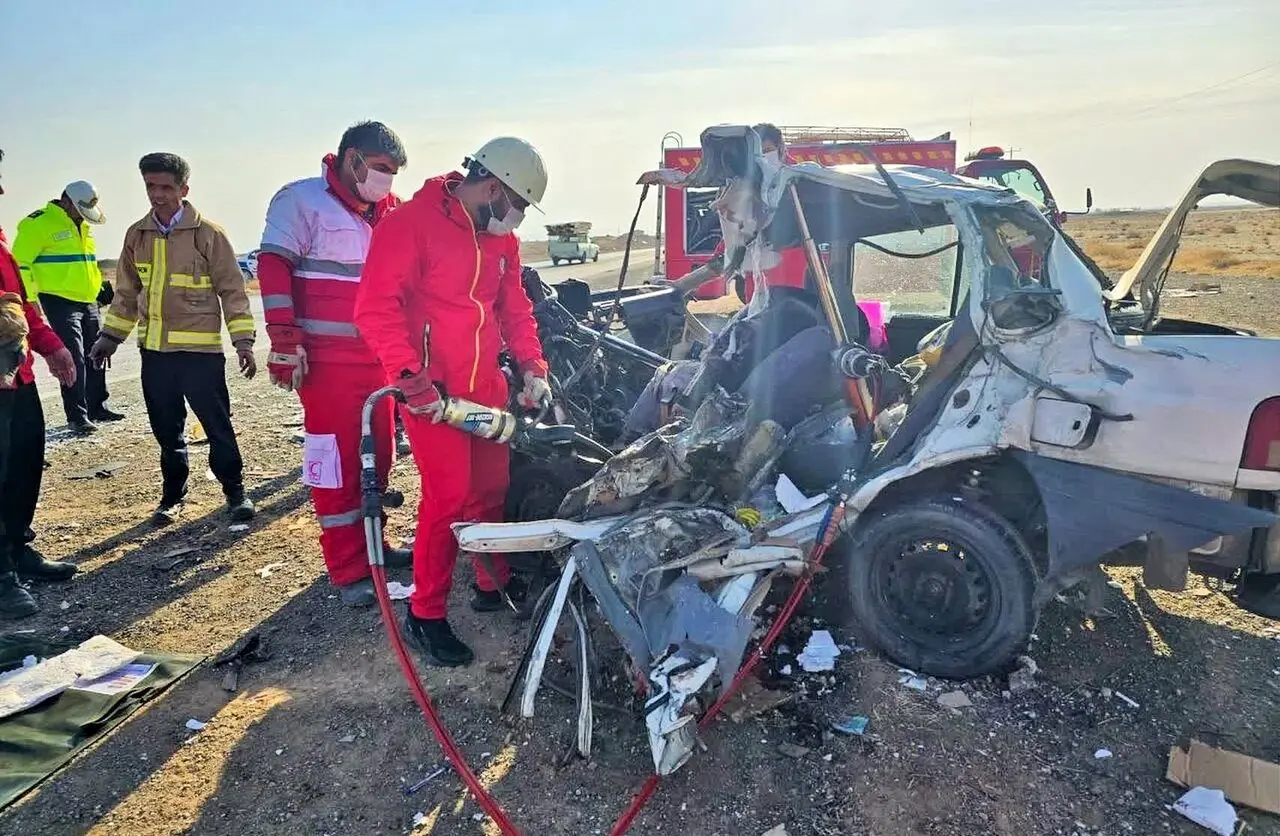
(1018, 290)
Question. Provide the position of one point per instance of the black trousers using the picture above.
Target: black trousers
(21, 468)
(170, 381)
(77, 324)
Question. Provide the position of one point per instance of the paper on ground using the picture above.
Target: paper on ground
(93, 659)
(791, 499)
(1208, 808)
(116, 682)
(820, 653)
(1245, 780)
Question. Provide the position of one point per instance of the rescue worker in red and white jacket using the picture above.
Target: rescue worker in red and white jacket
(313, 251)
(440, 296)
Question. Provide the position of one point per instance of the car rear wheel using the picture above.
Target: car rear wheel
(943, 587)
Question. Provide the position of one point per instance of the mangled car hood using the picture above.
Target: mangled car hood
(1250, 180)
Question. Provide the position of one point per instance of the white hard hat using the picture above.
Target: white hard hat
(517, 164)
(85, 198)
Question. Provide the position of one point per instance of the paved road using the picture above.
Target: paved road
(126, 365)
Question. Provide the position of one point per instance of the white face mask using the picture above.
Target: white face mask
(376, 185)
(507, 225)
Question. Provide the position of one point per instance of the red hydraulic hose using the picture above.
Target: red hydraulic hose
(830, 529)
(451, 751)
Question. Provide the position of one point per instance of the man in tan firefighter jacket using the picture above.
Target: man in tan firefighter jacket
(178, 279)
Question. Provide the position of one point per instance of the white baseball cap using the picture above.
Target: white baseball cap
(85, 198)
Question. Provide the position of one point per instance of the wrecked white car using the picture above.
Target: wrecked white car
(1012, 436)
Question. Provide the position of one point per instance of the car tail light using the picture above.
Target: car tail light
(1262, 441)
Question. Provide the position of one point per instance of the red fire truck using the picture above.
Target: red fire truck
(689, 230)
(991, 164)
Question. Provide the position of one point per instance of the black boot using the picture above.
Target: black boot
(15, 601)
(33, 566)
(239, 506)
(103, 415)
(517, 588)
(435, 642)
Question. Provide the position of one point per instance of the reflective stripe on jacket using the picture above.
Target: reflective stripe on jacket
(178, 288)
(40, 337)
(323, 236)
(57, 256)
(429, 266)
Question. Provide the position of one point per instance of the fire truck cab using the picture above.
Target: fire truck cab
(689, 231)
(991, 164)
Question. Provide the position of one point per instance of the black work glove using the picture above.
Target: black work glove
(106, 294)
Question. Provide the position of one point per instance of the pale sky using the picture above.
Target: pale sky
(1103, 93)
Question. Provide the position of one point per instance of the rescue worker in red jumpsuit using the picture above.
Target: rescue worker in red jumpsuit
(440, 296)
(313, 251)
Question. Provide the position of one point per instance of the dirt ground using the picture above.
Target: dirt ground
(322, 736)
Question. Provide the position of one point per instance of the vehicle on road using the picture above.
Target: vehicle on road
(249, 265)
(569, 242)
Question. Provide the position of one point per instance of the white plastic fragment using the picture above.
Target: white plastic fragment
(238, 527)
(910, 679)
(398, 591)
(1125, 699)
(195, 725)
(1208, 808)
(819, 653)
(1102, 754)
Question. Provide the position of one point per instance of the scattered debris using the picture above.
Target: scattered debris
(398, 591)
(65, 605)
(1208, 808)
(1024, 678)
(419, 819)
(780, 830)
(270, 569)
(249, 649)
(792, 750)
(102, 471)
(754, 699)
(176, 557)
(955, 700)
(347, 738)
(1102, 754)
(238, 527)
(436, 773)
(820, 653)
(1249, 781)
(910, 679)
(195, 725)
(1126, 700)
(853, 725)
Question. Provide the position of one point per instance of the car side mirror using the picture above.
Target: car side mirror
(1088, 199)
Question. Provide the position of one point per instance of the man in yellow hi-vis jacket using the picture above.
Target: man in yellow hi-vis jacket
(56, 255)
(178, 279)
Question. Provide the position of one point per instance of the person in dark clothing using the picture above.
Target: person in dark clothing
(22, 437)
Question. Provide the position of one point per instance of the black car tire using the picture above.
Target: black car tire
(958, 621)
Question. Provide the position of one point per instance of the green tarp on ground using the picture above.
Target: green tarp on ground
(38, 741)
